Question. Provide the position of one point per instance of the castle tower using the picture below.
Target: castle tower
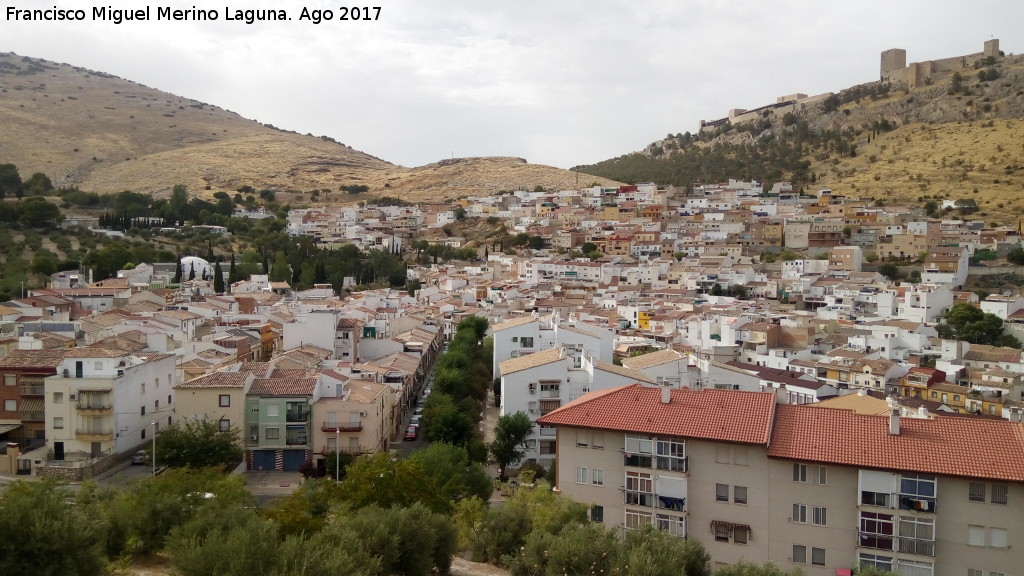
(894, 59)
(992, 48)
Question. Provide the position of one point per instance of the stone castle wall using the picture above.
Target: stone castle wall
(894, 67)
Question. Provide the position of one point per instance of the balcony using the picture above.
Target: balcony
(875, 541)
(94, 407)
(341, 427)
(96, 435)
(673, 463)
(918, 503)
(297, 415)
(33, 390)
(638, 460)
(635, 498)
(915, 546)
(670, 503)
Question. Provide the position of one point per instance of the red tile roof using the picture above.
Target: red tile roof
(946, 446)
(283, 387)
(726, 415)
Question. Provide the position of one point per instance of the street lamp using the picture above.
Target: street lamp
(337, 456)
(153, 424)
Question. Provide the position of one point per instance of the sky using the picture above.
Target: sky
(561, 82)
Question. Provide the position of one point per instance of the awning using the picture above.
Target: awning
(31, 405)
(4, 428)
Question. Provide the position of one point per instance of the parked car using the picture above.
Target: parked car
(412, 432)
(140, 457)
(415, 421)
(418, 411)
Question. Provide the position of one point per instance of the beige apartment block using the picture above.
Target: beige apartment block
(821, 489)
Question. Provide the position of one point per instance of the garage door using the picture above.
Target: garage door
(293, 460)
(263, 460)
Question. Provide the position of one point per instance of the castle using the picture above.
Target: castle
(895, 69)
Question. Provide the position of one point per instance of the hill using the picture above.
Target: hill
(947, 138)
(102, 133)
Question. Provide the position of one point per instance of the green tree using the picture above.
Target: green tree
(43, 263)
(280, 272)
(10, 180)
(379, 480)
(460, 213)
(744, 568)
(511, 433)
(889, 270)
(46, 532)
(1016, 256)
(448, 467)
(38, 184)
(38, 212)
(218, 278)
(197, 444)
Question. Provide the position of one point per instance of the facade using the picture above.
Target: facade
(104, 402)
(278, 421)
(820, 489)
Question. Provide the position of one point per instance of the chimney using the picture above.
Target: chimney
(894, 417)
(666, 394)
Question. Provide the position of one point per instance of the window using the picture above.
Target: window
(637, 519)
(58, 423)
(976, 492)
(874, 499)
(1000, 493)
(143, 433)
(98, 365)
(997, 538)
(917, 536)
(822, 475)
(142, 410)
(639, 489)
(597, 513)
(876, 561)
(799, 472)
(818, 515)
(224, 400)
(142, 388)
(273, 411)
(10, 379)
(225, 425)
(799, 554)
(674, 525)
(639, 452)
(818, 556)
(917, 485)
(722, 454)
(156, 405)
(721, 532)
(740, 535)
(526, 342)
(597, 440)
(168, 399)
(11, 405)
(721, 492)
(581, 437)
(800, 513)
(975, 572)
(597, 477)
(671, 455)
(914, 568)
(739, 456)
(273, 434)
(975, 535)
(58, 397)
(739, 494)
(581, 475)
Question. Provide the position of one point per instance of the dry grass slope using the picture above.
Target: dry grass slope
(106, 134)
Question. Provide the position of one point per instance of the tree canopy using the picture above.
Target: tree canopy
(510, 435)
(197, 444)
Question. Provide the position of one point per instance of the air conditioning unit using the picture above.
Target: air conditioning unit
(254, 437)
(362, 413)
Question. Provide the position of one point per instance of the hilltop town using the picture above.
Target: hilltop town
(748, 309)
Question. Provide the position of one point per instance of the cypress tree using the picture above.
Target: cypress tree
(232, 273)
(177, 273)
(192, 272)
(218, 279)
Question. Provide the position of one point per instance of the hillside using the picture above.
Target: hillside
(106, 134)
(877, 140)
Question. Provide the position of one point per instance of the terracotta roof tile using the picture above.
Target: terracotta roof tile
(652, 359)
(33, 358)
(541, 358)
(283, 387)
(945, 446)
(726, 415)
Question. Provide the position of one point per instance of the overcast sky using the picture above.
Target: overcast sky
(557, 82)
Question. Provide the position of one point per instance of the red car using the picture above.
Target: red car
(412, 432)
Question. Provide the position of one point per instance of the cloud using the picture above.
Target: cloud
(560, 83)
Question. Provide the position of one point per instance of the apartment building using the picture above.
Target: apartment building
(820, 489)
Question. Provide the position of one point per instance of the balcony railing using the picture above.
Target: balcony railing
(33, 390)
(94, 407)
(94, 435)
(673, 463)
(876, 541)
(670, 503)
(638, 460)
(634, 498)
(547, 432)
(916, 546)
(918, 503)
(297, 416)
(341, 427)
